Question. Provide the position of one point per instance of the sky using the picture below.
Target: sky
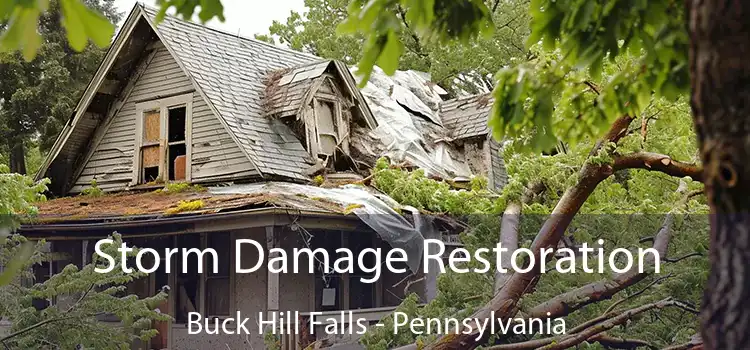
(244, 17)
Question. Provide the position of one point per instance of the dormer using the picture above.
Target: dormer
(321, 104)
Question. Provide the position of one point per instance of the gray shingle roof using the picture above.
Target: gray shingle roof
(288, 89)
(467, 116)
(231, 71)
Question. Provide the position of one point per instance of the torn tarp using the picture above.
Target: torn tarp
(374, 209)
(409, 127)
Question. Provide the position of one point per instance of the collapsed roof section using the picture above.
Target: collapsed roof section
(467, 116)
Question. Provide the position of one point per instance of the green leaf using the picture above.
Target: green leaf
(21, 33)
(392, 49)
(16, 263)
(82, 24)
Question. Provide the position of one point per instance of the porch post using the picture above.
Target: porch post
(273, 278)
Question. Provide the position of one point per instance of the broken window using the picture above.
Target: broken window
(176, 138)
(163, 145)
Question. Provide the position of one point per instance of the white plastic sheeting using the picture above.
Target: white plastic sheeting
(374, 209)
(394, 102)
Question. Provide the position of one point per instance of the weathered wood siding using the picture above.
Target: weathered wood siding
(215, 155)
(498, 177)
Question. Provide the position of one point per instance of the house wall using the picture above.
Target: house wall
(498, 177)
(251, 296)
(216, 157)
(483, 158)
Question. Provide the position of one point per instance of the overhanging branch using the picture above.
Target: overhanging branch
(657, 162)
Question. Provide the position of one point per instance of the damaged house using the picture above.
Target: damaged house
(258, 127)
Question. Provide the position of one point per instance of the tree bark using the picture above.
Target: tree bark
(720, 99)
(17, 157)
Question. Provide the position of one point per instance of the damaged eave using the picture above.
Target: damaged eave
(190, 223)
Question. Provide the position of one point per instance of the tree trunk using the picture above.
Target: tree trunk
(720, 79)
(17, 157)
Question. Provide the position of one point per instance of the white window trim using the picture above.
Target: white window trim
(163, 105)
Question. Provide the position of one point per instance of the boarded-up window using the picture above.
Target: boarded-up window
(327, 134)
(151, 150)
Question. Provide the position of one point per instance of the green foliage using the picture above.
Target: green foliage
(319, 180)
(272, 341)
(384, 338)
(93, 190)
(185, 206)
(413, 188)
(38, 96)
(81, 22)
(18, 194)
(80, 297)
(180, 187)
(186, 8)
(382, 21)
(589, 32)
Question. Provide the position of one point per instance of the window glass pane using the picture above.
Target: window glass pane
(217, 296)
(220, 242)
(176, 124)
(186, 295)
(361, 295)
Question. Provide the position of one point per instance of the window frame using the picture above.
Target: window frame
(342, 136)
(207, 275)
(163, 105)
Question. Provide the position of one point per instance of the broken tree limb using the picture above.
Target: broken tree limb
(576, 299)
(695, 343)
(578, 338)
(657, 162)
(505, 302)
(611, 342)
(508, 239)
(592, 330)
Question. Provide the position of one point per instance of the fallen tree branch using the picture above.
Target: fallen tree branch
(620, 343)
(575, 339)
(589, 331)
(508, 239)
(576, 299)
(505, 302)
(674, 260)
(643, 290)
(695, 343)
(657, 162)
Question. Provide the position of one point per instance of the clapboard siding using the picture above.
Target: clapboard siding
(215, 155)
(230, 163)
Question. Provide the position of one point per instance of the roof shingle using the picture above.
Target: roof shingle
(231, 71)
